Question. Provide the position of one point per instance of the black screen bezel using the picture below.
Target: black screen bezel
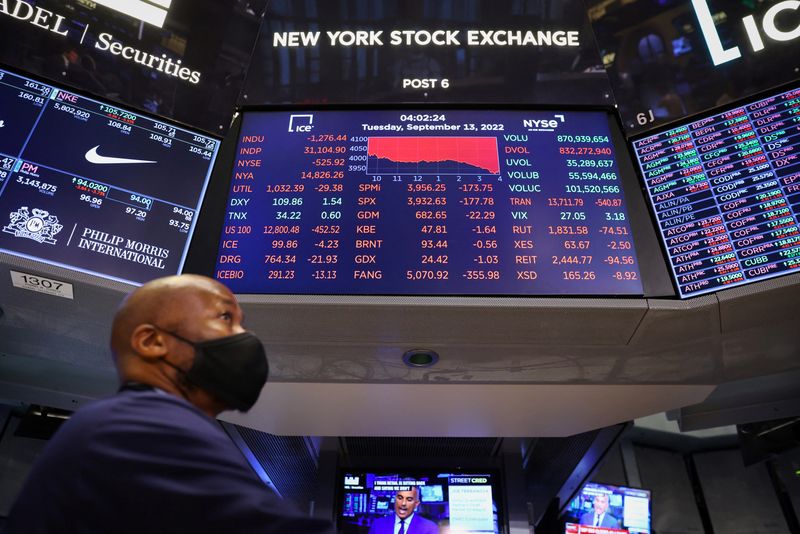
(498, 487)
(685, 121)
(653, 269)
(133, 109)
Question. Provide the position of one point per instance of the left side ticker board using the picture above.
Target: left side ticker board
(94, 187)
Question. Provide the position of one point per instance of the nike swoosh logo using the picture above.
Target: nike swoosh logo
(93, 157)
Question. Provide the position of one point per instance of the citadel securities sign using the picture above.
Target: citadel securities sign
(780, 23)
(55, 23)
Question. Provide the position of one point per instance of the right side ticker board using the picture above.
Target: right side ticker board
(725, 191)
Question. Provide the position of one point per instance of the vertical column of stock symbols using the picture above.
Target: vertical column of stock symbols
(238, 225)
(774, 243)
(686, 210)
(722, 191)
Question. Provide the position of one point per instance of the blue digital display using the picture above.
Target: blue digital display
(422, 202)
(725, 190)
(94, 187)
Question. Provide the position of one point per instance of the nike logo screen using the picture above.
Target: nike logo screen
(93, 157)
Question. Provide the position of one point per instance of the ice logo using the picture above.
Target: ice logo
(39, 226)
(301, 123)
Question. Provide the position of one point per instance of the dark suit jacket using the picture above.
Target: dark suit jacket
(148, 462)
(608, 521)
(419, 525)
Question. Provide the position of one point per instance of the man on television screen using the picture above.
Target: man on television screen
(600, 517)
(404, 520)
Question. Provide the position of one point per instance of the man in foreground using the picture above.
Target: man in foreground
(152, 458)
(405, 520)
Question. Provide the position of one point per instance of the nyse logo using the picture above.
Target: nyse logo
(769, 27)
(542, 125)
(150, 11)
(351, 481)
(301, 123)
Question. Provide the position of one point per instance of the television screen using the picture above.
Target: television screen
(372, 503)
(604, 509)
(725, 189)
(420, 202)
(94, 187)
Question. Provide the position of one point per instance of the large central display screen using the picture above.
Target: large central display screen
(726, 192)
(455, 202)
(94, 187)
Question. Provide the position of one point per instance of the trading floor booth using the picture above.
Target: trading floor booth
(530, 257)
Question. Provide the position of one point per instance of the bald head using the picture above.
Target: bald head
(164, 302)
(156, 327)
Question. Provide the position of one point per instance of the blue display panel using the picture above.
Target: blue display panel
(94, 187)
(452, 501)
(456, 202)
(605, 509)
(726, 192)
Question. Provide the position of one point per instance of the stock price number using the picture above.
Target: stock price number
(288, 215)
(281, 229)
(481, 275)
(123, 128)
(625, 275)
(182, 226)
(442, 259)
(36, 100)
(281, 274)
(280, 258)
(182, 212)
(427, 275)
(578, 275)
(285, 243)
(433, 243)
(619, 260)
(577, 245)
(94, 202)
(571, 260)
(324, 258)
(140, 214)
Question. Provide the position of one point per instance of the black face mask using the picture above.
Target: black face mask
(233, 368)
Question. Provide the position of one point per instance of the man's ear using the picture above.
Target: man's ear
(148, 342)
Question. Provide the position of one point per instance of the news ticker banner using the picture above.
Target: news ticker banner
(166, 57)
(393, 51)
(94, 187)
(455, 202)
(726, 193)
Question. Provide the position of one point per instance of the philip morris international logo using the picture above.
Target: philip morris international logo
(150, 11)
(38, 225)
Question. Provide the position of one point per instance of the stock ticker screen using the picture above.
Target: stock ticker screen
(93, 187)
(726, 192)
(444, 202)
